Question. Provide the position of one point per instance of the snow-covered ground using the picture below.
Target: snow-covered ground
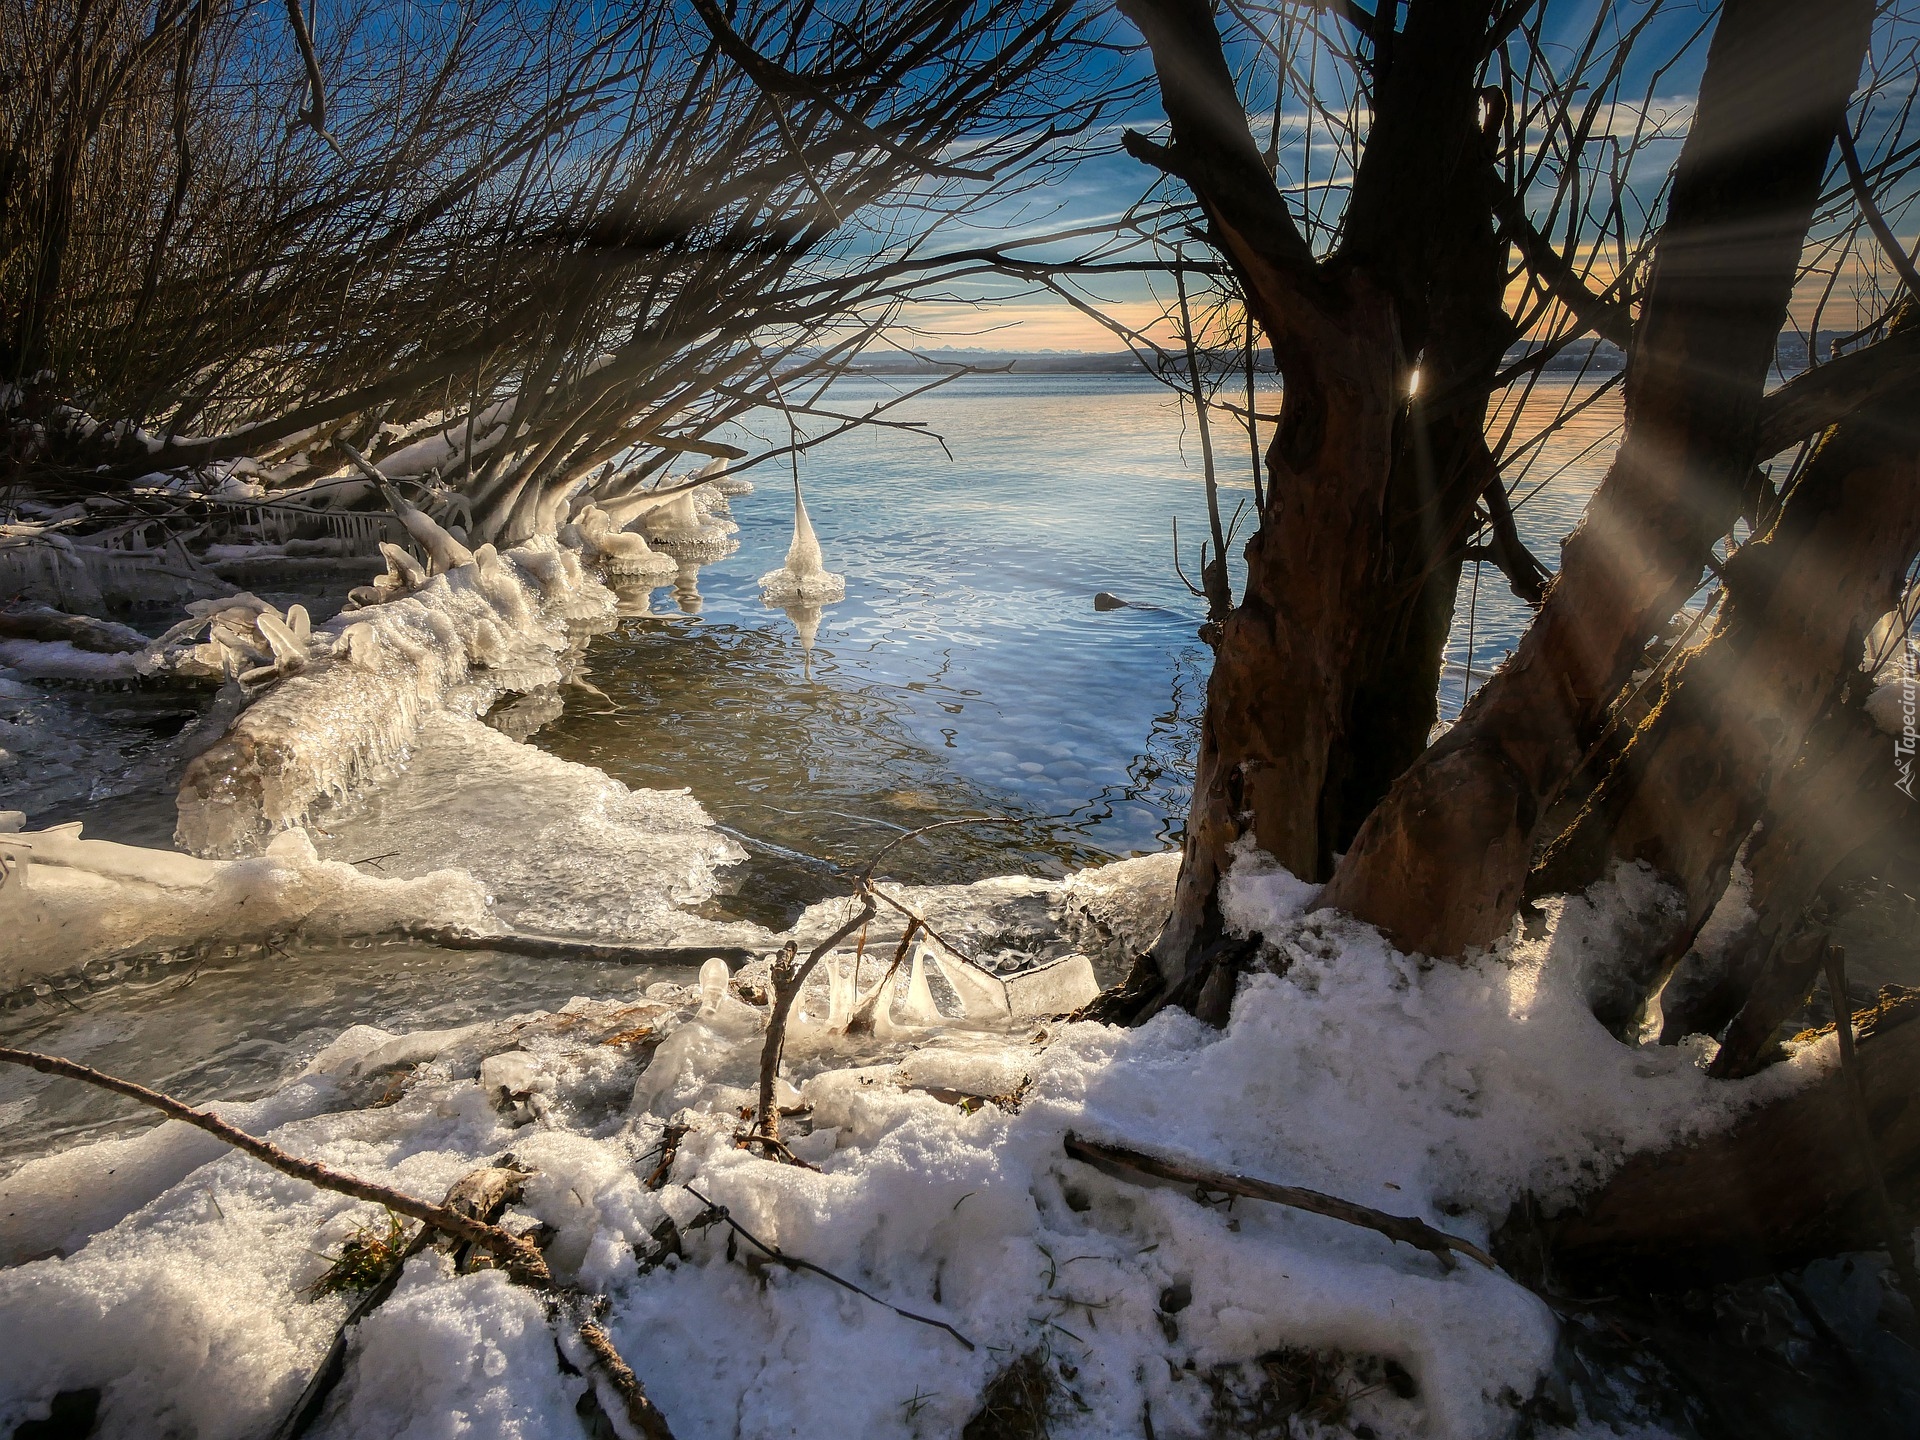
(173, 1276)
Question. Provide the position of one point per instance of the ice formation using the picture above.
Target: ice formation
(560, 847)
(941, 1186)
(68, 902)
(490, 624)
(618, 552)
(716, 473)
(38, 560)
(690, 522)
(804, 578)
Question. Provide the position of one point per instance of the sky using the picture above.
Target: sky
(1103, 184)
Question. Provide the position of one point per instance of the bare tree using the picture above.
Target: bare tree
(1492, 207)
(530, 248)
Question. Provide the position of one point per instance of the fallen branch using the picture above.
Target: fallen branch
(1403, 1228)
(789, 981)
(556, 947)
(794, 1262)
(482, 1190)
(605, 1362)
(521, 1260)
(787, 984)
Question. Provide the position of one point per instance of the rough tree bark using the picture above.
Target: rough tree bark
(1441, 863)
(1695, 1213)
(1737, 709)
(1367, 499)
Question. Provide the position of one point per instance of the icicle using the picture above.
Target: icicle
(714, 977)
(804, 576)
(362, 646)
(289, 647)
(842, 987)
(918, 1001)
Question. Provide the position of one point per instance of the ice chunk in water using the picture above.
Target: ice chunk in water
(713, 985)
(804, 576)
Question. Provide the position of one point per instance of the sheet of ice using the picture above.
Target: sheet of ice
(1011, 922)
(61, 660)
(72, 901)
(1114, 912)
(560, 847)
(1442, 1091)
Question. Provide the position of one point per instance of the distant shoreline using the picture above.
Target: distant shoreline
(1597, 358)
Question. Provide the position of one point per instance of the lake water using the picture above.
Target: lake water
(967, 671)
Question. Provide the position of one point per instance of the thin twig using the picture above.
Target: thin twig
(794, 1262)
(898, 840)
(1876, 222)
(521, 1259)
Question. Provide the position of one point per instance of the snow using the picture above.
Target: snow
(1437, 1090)
(75, 901)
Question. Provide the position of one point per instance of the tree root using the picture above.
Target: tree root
(1790, 1182)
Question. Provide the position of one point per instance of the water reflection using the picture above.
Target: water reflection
(967, 670)
(805, 615)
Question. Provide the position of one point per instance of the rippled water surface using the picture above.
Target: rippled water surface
(967, 671)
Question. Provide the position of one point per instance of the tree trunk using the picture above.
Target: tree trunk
(1441, 863)
(1350, 575)
(1737, 709)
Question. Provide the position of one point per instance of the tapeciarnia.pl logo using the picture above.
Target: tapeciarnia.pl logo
(1904, 743)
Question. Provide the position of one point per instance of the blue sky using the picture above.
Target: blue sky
(1662, 68)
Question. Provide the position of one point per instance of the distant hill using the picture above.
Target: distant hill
(1019, 362)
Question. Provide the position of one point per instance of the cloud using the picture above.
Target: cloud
(1039, 323)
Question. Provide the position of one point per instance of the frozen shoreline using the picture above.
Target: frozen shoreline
(171, 1277)
(942, 1187)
